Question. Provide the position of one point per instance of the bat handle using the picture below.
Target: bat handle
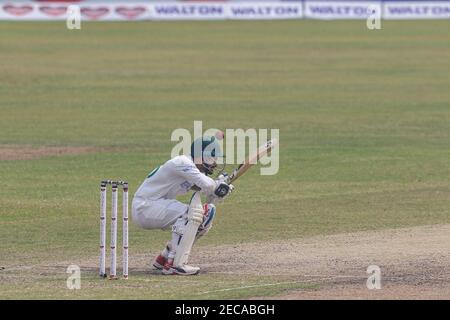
(231, 177)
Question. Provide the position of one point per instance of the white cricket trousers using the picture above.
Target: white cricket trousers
(157, 214)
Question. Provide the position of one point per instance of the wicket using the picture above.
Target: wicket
(113, 267)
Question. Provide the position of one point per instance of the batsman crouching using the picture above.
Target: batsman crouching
(155, 206)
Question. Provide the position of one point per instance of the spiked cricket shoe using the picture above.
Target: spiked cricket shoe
(183, 270)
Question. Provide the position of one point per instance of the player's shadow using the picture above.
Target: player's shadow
(144, 272)
(132, 272)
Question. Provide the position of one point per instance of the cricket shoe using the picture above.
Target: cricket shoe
(184, 270)
(159, 262)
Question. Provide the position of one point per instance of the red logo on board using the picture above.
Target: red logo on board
(130, 13)
(53, 11)
(17, 10)
(94, 13)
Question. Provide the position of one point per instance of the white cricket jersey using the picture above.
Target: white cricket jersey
(174, 178)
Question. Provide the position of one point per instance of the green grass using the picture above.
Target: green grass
(364, 130)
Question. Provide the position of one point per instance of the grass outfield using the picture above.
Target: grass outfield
(364, 133)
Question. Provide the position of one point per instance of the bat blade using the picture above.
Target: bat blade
(253, 159)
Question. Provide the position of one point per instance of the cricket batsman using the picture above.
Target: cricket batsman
(155, 206)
